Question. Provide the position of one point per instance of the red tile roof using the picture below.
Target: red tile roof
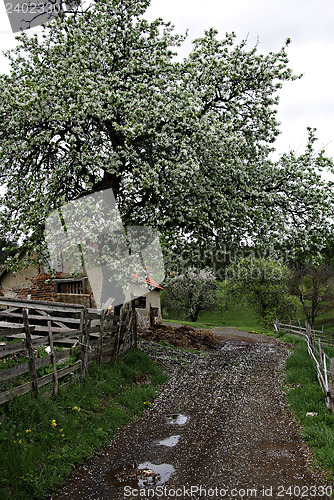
(149, 281)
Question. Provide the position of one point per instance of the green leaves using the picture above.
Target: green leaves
(313, 285)
(264, 284)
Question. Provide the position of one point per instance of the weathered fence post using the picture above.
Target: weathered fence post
(120, 333)
(30, 349)
(82, 323)
(53, 360)
(331, 385)
(134, 335)
(326, 381)
(320, 353)
(85, 339)
(309, 337)
(314, 340)
(101, 337)
(152, 319)
(126, 326)
(276, 323)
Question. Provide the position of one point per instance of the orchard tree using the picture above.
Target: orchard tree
(99, 101)
(264, 285)
(193, 291)
(314, 287)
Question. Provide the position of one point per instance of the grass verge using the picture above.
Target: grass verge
(304, 396)
(239, 316)
(41, 439)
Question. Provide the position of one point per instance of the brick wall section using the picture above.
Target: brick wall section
(41, 287)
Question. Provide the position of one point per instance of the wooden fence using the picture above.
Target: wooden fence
(86, 334)
(315, 345)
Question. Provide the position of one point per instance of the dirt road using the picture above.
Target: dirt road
(219, 429)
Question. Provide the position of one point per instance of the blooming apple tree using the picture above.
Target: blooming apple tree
(193, 291)
(99, 101)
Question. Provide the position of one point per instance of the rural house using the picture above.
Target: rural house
(35, 283)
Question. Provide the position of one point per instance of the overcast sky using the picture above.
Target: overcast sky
(309, 24)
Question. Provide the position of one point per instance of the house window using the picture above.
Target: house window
(71, 286)
(140, 302)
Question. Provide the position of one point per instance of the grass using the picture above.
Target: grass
(326, 320)
(42, 439)
(243, 317)
(238, 316)
(15, 360)
(304, 395)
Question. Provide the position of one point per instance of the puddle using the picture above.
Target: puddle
(139, 476)
(229, 346)
(170, 441)
(176, 419)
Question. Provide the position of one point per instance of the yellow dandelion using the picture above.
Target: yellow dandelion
(27, 431)
(54, 423)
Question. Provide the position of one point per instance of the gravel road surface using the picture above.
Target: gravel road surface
(220, 428)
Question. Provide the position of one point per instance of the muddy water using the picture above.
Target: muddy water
(170, 441)
(219, 428)
(142, 475)
(176, 419)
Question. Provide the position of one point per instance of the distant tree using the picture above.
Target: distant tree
(264, 285)
(314, 287)
(193, 291)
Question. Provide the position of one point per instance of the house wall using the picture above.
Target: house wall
(152, 300)
(26, 282)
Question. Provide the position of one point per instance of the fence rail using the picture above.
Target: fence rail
(90, 335)
(315, 345)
